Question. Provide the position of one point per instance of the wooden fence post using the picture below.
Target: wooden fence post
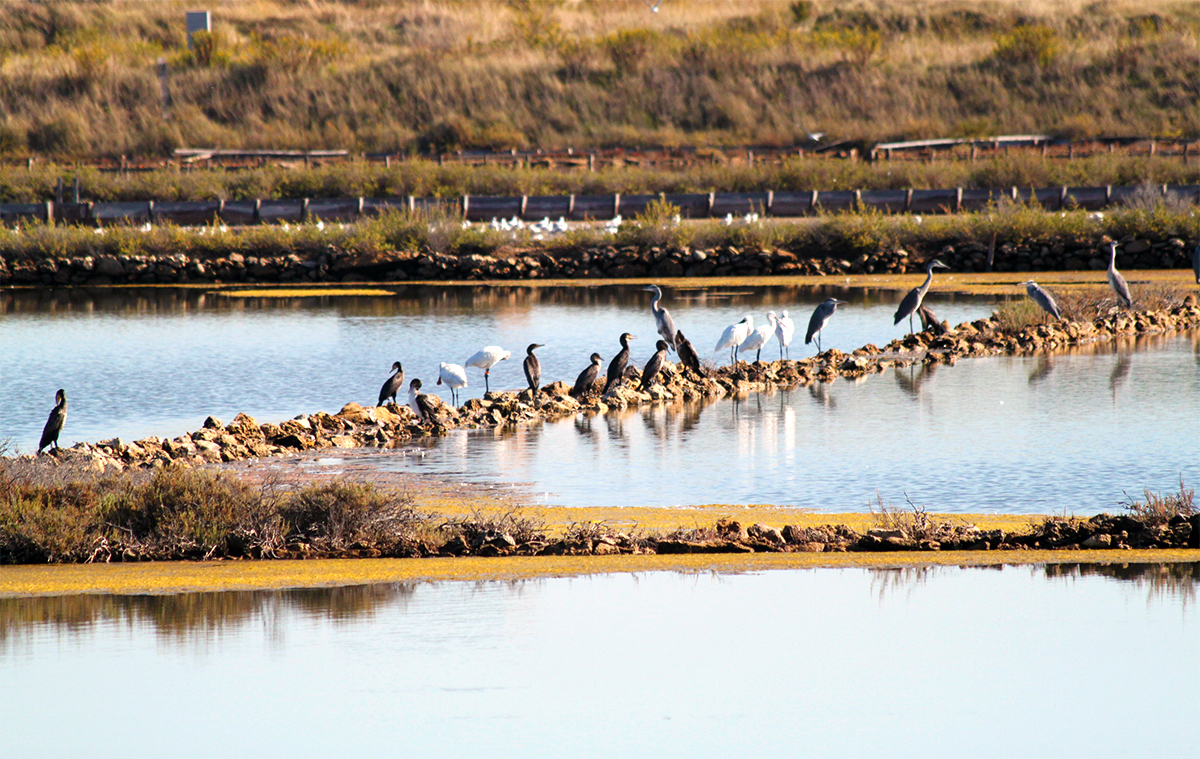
(616, 204)
(466, 204)
(908, 199)
(958, 199)
(991, 251)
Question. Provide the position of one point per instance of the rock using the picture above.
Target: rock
(765, 533)
(1097, 541)
(344, 441)
(355, 413)
(213, 423)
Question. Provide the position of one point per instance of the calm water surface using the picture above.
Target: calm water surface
(1029, 661)
(1072, 433)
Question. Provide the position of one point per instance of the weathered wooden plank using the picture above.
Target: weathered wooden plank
(187, 212)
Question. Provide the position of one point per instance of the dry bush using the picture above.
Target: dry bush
(1160, 508)
(1016, 315)
(478, 527)
(342, 515)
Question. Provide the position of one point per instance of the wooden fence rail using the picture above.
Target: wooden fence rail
(477, 208)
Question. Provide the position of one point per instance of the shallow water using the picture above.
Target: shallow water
(1031, 661)
(1071, 433)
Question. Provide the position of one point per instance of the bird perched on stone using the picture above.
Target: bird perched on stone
(1043, 298)
(587, 378)
(393, 384)
(654, 365)
(616, 367)
(533, 369)
(687, 353)
(422, 405)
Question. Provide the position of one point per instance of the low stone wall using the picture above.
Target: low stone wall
(609, 262)
(392, 425)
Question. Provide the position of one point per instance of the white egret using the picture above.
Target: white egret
(485, 359)
(733, 336)
(759, 337)
(784, 329)
(454, 377)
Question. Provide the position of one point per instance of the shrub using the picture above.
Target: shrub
(1033, 44)
(342, 515)
(1159, 509)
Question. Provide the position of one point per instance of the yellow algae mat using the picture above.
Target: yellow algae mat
(184, 577)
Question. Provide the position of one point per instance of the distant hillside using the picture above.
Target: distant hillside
(79, 78)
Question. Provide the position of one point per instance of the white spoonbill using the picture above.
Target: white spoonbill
(486, 359)
(454, 377)
(759, 337)
(734, 335)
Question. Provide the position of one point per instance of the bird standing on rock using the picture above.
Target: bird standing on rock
(912, 301)
(759, 337)
(616, 367)
(454, 377)
(820, 318)
(533, 369)
(422, 405)
(784, 329)
(734, 335)
(485, 359)
(393, 384)
(1116, 281)
(654, 365)
(54, 424)
(662, 317)
(1044, 299)
(587, 378)
(687, 353)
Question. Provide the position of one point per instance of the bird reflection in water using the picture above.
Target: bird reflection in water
(1045, 365)
(1120, 373)
(912, 379)
(821, 393)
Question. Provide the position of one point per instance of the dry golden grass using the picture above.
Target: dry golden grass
(79, 76)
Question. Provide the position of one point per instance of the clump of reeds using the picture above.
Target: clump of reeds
(1160, 508)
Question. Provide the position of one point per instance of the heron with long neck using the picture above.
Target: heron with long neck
(616, 367)
(912, 301)
(1043, 298)
(393, 384)
(1116, 281)
(662, 317)
(54, 424)
(820, 318)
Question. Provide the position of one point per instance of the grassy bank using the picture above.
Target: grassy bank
(59, 515)
(79, 78)
(423, 178)
(839, 235)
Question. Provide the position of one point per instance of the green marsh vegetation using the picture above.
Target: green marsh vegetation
(78, 78)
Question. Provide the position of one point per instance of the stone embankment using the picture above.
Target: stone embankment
(610, 262)
(356, 426)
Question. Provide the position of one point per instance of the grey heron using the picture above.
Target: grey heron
(1116, 281)
(662, 317)
(533, 368)
(393, 384)
(784, 329)
(820, 318)
(54, 424)
(687, 354)
(759, 337)
(422, 405)
(454, 377)
(587, 378)
(1044, 299)
(734, 335)
(912, 301)
(616, 367)
(485, 359)
(654, 365)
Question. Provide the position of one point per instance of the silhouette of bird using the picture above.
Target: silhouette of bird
(654, 365)
(662, 317)
(393, 384)
(422, 405)
(485, 359)
(929, 321)
(1116, 281)
(587, 377)
(734, 335)
(54, 424)
(533, 368)
(687, 353)
(784, 329)
(1196, 263)
(616, 367)
(758, 337)
(912, 301)
(820, 318)
(1042, 298)
(454, 377)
